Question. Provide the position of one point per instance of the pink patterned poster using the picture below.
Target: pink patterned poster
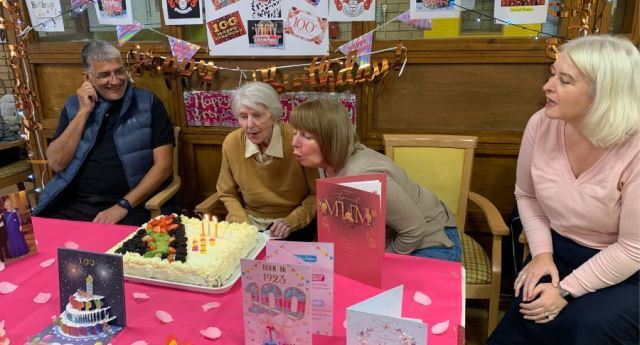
(213, 108)
(320, 257)
(276, 303)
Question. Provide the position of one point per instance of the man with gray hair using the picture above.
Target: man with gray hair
(113, 148)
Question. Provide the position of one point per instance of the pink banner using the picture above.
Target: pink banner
(213, 108)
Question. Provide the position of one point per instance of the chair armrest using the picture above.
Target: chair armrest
(206, 207)
(491, 213)
(9, 144)
(155, 203)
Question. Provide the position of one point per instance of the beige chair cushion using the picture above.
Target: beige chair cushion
(14, 168)
(475, 262)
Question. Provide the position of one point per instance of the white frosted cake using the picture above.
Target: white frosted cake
(187, 250)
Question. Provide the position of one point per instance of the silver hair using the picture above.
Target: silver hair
(255, 94)
(98, 51)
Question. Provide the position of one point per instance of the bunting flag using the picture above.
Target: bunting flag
(126, 32)
(424, 24)
(182, 50)
(362, 44)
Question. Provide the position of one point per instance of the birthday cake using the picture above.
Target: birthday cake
(86, 314)
(187, 250)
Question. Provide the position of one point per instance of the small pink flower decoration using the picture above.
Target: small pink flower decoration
(47, 263)
(210, 305)
(164, 316)
(421, 298)
(440, 327)
(42, 297)
(71, 245)
(1, 266)
(211, 333)
(6, 287)
(139, 342)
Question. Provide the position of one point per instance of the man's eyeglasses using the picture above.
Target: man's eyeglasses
(103, 77)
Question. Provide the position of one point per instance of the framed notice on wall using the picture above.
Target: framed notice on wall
(267, 27)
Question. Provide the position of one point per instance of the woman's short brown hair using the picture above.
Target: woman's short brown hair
(329, 123)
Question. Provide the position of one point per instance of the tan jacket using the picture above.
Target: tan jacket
(415, 216)
(281, 189)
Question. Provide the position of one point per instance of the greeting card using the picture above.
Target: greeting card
(352, 10)
(351, 214)
(182, 12)
(276, 303)
(266, 34)
(226, 28)
(378, 320)
(114, 12)
(306, 26)
(91, 300)
(45, 15)
(320, 257)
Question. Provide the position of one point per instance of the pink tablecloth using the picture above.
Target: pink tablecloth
(24, 318)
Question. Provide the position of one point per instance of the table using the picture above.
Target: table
(23, 318)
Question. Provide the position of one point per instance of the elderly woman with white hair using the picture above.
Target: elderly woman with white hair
(578, 193)
(260, 180)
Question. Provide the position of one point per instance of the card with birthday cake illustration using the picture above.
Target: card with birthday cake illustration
(92, 306)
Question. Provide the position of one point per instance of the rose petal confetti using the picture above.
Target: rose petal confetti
(211, 333)
(71, 245)
(139, 342)
(440, 327)
(344, 324)
(210, 305)
(1, 266)
(42, 297)
(421, 298)
(47, 263)
(140, 296)
(164, 316)
(6, 287)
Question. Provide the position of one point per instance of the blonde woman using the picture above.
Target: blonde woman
(578, 193)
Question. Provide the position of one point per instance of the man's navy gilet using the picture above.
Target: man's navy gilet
(132, 137)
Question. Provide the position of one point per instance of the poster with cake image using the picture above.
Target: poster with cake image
(428, 9)
(276, 303)
(17, 239)
(261, 9)
(92, 309)
(182, 12)
(114, 12)
(521, 11)
(273, 28)
(352, 10)
(266, 34)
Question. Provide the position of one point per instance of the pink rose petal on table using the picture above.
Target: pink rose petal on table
(421, 298)
(211, 333)
(140, 296)
(440, 327)
(6, 287)
(139, 342)
(71, 245)
(210, 305)
(344, 324)
(164, 316)
(42, 297)
(47, 263)
(1, 266)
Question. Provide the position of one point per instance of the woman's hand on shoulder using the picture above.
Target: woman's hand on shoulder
(540, 266)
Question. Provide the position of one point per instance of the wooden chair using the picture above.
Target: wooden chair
(16, 173)
(154, 204)
(443, 164)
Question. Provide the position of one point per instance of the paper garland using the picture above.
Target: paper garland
(126, 32)
(182, 50)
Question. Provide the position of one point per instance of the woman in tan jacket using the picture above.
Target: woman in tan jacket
(417, 222)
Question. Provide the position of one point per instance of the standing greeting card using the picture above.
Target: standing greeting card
(276, 303)
(91, 300)
(320, 257)
(351, 214)
(378, 320)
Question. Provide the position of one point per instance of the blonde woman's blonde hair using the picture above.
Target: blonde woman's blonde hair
(329, 123)
(612, 64)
